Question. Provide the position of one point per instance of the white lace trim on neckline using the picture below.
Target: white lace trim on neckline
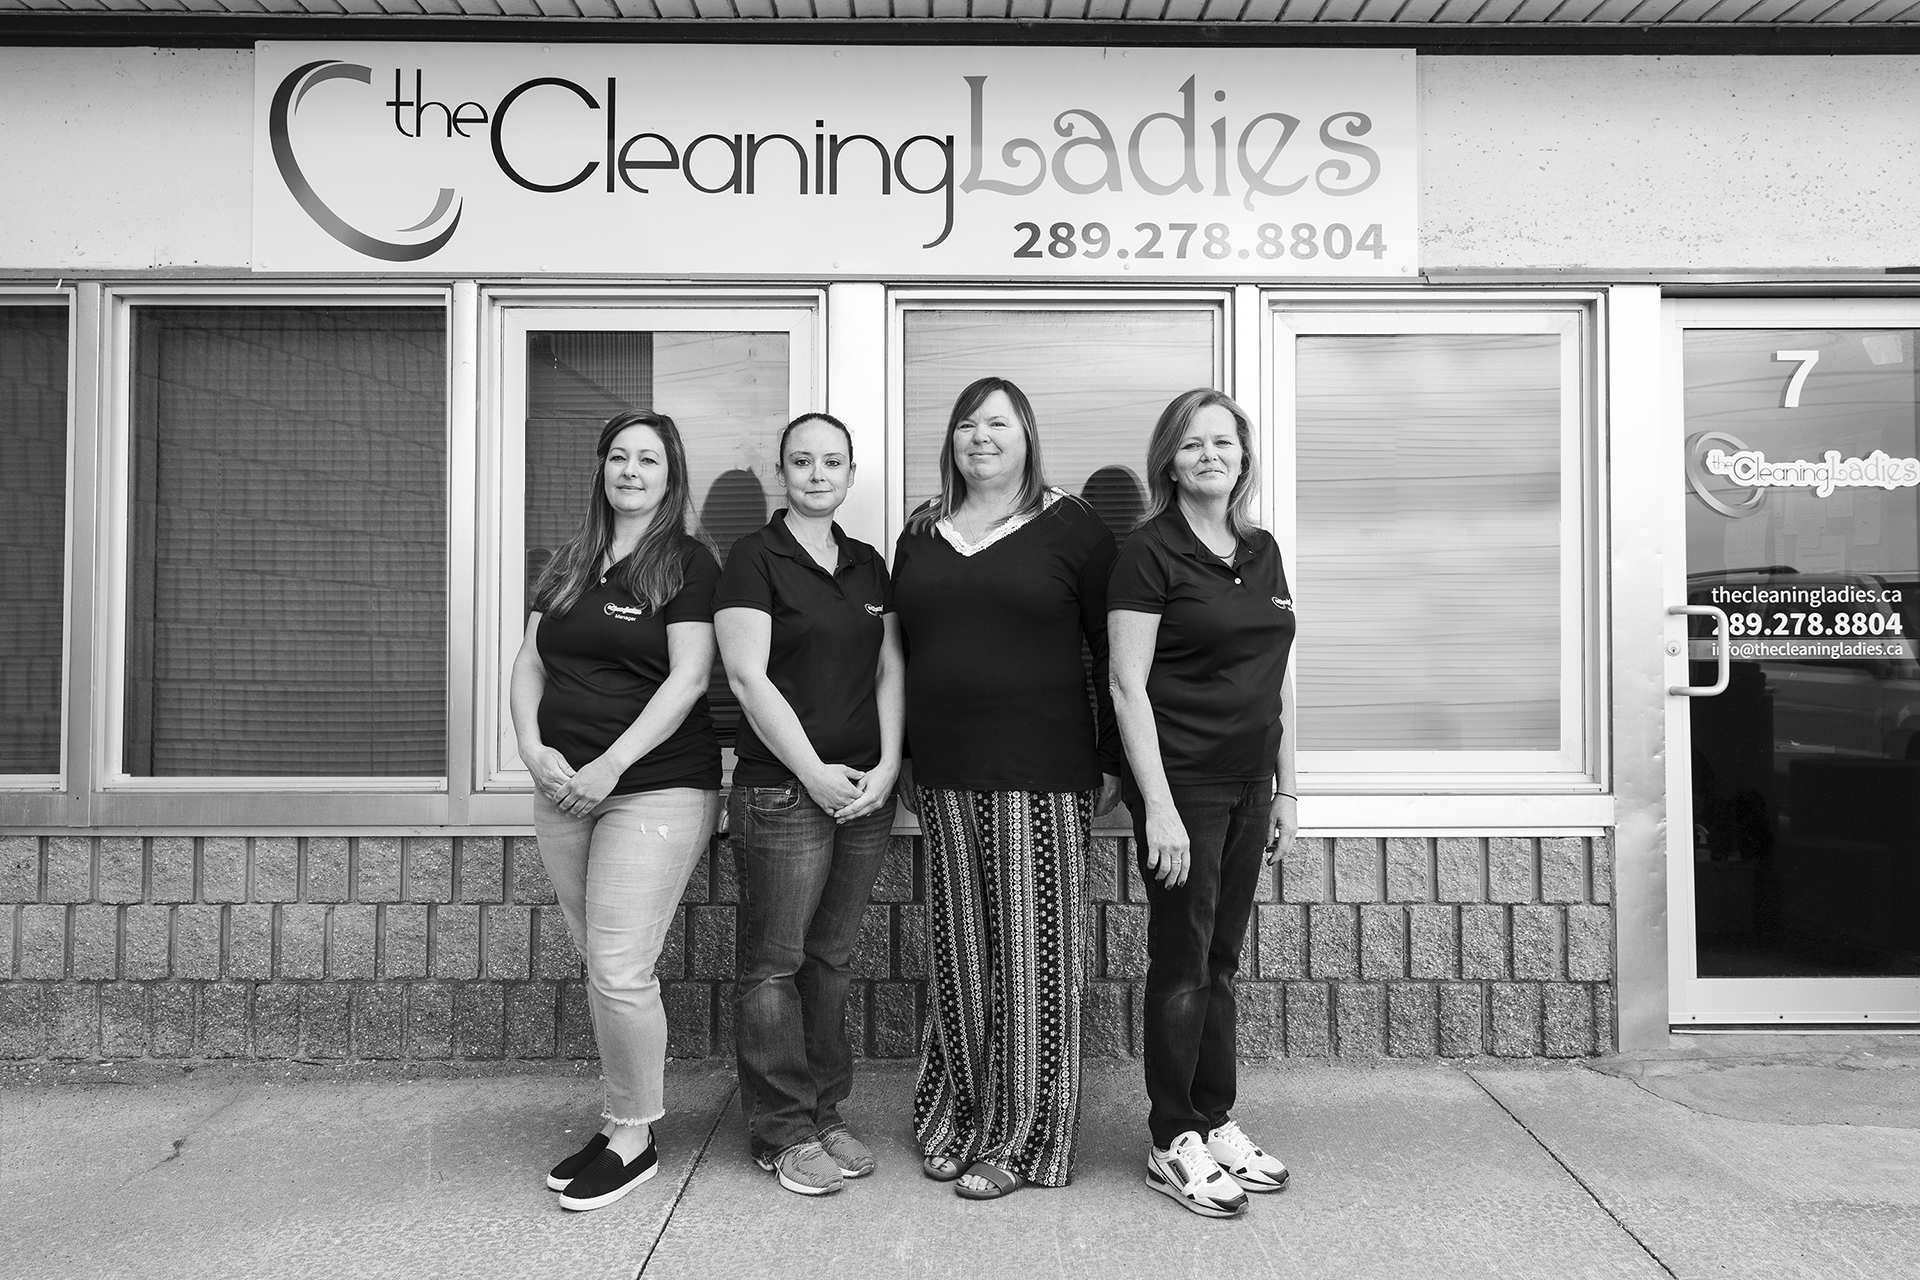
(959, 542)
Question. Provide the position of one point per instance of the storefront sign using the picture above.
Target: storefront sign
(798, 160)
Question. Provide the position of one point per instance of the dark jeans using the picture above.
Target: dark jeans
(806, 882)
(1194, 935)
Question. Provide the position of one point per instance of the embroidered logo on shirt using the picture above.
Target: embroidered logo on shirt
(1278, 603)
(875, 610)
(627, 613)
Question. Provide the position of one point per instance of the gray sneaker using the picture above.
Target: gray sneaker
(804, 1167)
(848, 1152)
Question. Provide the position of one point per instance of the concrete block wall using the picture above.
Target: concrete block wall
(442, 947)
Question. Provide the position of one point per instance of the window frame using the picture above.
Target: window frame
(25, 795)
(499, 789)
(1440, 789)
(118, 798)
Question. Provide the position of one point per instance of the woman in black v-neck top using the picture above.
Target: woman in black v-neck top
(997, 584)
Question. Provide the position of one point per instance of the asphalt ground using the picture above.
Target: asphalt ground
(1720, 1156)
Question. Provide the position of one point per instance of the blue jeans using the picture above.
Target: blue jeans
(1194, 936)
(807, 881)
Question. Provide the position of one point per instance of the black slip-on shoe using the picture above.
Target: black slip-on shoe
(567, 1170)
(608, 1178)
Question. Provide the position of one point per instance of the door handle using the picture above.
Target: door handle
(1724, 633)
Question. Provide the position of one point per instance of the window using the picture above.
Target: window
(1441, 547)
(729, 378)
(33, 535)
(1098, 376)
(287, 543)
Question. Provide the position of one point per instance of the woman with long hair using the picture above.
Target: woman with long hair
(609, 705)
(998, 582)
(815, 660)
(1201, 623)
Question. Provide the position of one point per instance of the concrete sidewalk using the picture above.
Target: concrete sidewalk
(1775, 1157)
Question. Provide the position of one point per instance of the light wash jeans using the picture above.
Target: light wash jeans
(619, 874)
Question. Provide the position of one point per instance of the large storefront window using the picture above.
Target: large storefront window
(1440, 518)
(729, 377)
(287, 549)
(1098, 379)
(33, 518)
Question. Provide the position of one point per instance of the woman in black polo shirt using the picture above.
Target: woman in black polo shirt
(815, 661)
(1201, 622)
(609, 702)
(997, 583)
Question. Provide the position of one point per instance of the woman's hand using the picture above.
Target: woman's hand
(1109, 798)
(550, 771)
(1169, 853)
(833, 787)
(588, 787)
(1283, 820)
(876, 789)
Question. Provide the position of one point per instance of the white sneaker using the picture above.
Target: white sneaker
(1245, 1162)
(1188, 1174)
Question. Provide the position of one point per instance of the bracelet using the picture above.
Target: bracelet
(1288, 794)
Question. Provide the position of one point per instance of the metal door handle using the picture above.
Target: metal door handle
(1724, 635)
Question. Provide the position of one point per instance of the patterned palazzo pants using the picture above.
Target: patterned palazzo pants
(1000, 1073)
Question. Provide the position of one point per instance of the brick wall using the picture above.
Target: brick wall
(449, 947)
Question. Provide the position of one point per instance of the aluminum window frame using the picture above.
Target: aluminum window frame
(1564, 788)
(1693, 1001)
(121, 799)
(23, 795)
(499, 788)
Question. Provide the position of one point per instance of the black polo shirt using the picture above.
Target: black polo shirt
(825, 650)
(605, 658)
(1221, 653)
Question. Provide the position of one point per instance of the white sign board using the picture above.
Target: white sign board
(804, 160)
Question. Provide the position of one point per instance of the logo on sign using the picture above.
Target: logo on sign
(286, 101)
(1750, 469)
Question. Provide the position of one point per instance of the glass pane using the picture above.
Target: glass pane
(1097, 379)
(727, 392)
(287, 579)
(1429, 542)
(33, 542)
(1806, 771)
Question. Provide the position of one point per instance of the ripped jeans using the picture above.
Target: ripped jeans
(619, 874)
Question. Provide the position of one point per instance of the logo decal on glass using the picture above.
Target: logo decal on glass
(1750, 469)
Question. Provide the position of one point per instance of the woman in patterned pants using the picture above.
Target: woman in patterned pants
(997, 582)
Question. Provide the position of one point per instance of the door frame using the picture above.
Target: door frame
(1694, 1001)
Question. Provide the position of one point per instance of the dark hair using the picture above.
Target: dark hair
(1165, 443)
(953, 485)
(780, 459)
(655, 569)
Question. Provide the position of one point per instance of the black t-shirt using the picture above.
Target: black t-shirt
(1221, 653)
(825, 650)
(605, 658)
(996, 691)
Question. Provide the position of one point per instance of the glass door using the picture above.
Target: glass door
(730, 378)
(1796, 859)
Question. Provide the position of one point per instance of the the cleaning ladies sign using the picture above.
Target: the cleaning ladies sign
(798, 160)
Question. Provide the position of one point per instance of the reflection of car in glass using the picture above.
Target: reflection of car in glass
(1865, 707)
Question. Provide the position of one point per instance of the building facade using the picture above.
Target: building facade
(1555, 327)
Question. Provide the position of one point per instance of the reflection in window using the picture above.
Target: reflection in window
(1098, 381)
(287, 581)
(1429, 542)
(727, 392)
(33, 501)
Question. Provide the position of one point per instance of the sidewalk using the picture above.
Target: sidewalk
(1751, 1157)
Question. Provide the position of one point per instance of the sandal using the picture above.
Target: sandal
(1001, 1182)
(942, 1168)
